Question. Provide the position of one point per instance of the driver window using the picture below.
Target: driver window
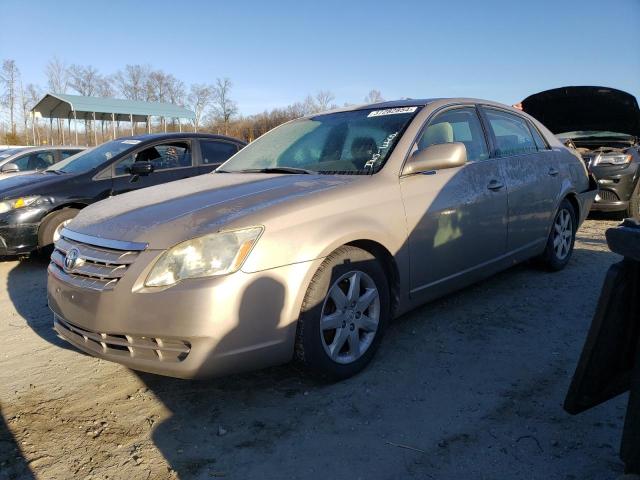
(457, 125)
(163, 157)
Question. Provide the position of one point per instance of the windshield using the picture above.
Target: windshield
(93, 158)
(356, 142)
(592, 133)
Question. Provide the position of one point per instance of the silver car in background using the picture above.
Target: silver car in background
(308, 241)
(22, 160)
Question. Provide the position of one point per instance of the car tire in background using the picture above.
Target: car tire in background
(633, 210)
(343, 315)
(51, 226)
(561, 238)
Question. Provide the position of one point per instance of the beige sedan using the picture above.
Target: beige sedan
(307, 242)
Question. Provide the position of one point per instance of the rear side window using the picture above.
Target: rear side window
(537, 138)
(511, 132)
(457, 125)
(217, 152)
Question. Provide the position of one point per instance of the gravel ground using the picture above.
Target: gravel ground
(470, 386)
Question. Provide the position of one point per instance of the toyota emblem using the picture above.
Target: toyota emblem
(71, 259)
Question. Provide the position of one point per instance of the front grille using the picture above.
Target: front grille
(126, 346)
(608, 196)
(96, 267)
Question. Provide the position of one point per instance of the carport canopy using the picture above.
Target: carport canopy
(62, 105)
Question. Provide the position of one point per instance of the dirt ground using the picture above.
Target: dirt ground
(468, 387)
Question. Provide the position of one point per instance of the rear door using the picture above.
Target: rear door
(172, 160)
(531, 173)
(456, 217)
(213, 153)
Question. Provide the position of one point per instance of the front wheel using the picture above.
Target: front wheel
(561, 238)
(51, 227)
(343, 315)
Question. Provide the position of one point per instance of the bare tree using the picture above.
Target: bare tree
(374, 96)
(199, 99)
(85, 79)
(324, 99)
(131, 82)
(32, 95)
(223, 107)
(9, 78)
(57, 76)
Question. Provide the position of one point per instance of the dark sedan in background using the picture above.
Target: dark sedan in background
(603, 125)
(35, 207)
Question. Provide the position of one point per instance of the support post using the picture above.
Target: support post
(50, 131)
(113, 124)
(75, 126)
(180, 124)
(61, 126)
(164, 121)
(95, 130)
(33, 126)
(131, 122)
(148, 123)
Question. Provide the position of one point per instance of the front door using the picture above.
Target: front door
(171, 161)
(457, 218)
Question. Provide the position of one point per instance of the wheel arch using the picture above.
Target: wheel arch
(56, 209)
(389, 264)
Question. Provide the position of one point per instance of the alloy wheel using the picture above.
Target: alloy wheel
(562, 234)
(350, 317)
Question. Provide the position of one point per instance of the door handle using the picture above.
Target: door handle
(495, 185)
(553, 172)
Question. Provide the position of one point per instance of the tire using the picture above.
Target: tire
(50, 226)
(337, 353)
(633, 210)
(561, 239)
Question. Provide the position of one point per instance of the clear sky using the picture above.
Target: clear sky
(276, 52)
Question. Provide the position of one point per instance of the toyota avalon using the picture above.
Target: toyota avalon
(308, 241)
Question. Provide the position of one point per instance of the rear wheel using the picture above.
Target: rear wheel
(51, 227)
(561, 238)
(344, 314)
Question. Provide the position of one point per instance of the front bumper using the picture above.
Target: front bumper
(19, 231)
(616, 186)
(197, 328)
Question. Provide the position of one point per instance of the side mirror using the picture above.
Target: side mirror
(436, 157)
(9, 168)
(141, 168)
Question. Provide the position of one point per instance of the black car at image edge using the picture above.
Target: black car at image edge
(35, 207)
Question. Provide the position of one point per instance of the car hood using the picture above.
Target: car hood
(173, 212)
(17, 185)
(569, 109)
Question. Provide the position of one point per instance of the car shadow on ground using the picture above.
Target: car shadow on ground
(13, 465)
(473, 382)
(27, 288)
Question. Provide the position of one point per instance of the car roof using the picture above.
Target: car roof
(167, 136)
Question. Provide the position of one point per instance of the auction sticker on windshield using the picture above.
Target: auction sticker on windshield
(392, 111)
(131, 142)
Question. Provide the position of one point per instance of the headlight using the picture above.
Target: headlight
(22, 202)
(612, 159)
(211, 255)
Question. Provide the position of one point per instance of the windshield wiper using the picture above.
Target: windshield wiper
(277, 170)
(57, 172)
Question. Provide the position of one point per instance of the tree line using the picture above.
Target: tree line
(212, 103)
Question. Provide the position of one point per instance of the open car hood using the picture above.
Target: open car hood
(569, 109)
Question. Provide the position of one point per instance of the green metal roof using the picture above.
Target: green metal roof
(62, 105)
